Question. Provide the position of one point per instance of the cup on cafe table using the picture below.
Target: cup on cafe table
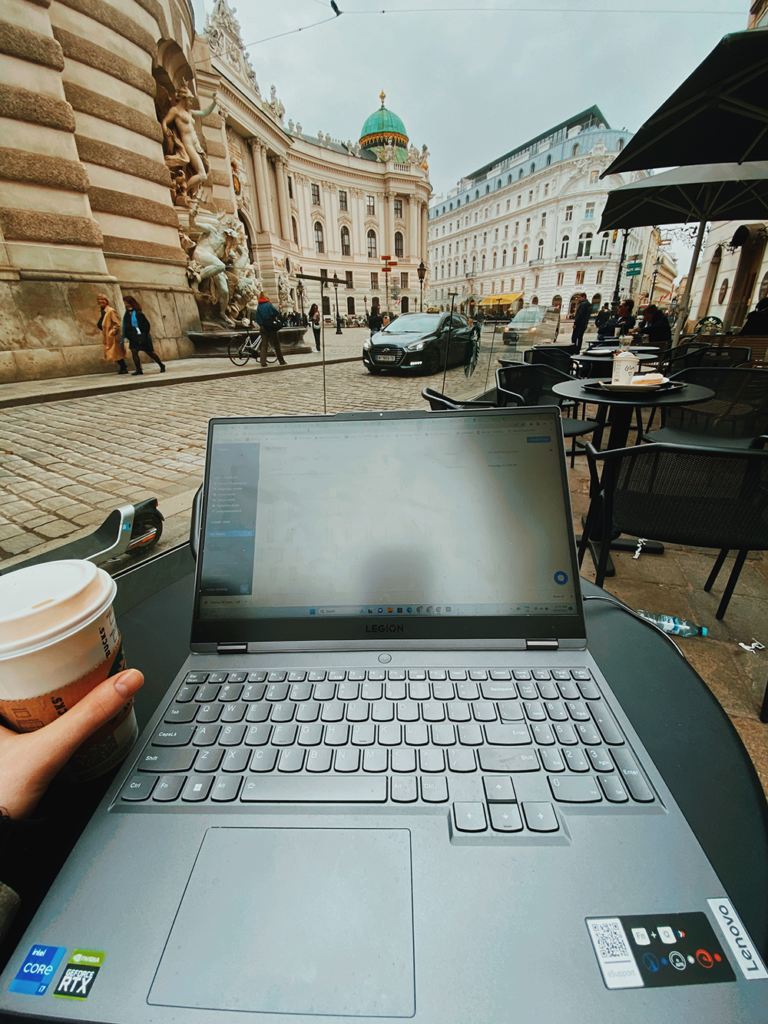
(58, 640)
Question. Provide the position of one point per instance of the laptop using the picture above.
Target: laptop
(390, 781)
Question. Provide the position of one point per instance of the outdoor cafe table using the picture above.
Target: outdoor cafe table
(599, 363)
(622, 404)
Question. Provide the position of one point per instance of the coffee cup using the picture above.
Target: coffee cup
(58, 640)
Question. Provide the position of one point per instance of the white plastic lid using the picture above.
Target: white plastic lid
(46, 602)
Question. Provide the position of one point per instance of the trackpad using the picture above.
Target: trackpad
(285, 920)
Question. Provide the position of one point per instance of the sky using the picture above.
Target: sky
(475, 78)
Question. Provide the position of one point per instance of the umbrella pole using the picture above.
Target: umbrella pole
(683, 314)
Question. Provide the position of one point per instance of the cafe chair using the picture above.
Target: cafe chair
(734, 417)
(440, 402)
(703, 497)
(531, 384)
(551, 355)
(684, 356)
(724, 356)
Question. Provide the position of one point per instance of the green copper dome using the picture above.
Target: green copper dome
(380, 126)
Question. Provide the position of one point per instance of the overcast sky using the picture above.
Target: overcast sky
(473, 80)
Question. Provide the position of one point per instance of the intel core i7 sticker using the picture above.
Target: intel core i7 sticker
(79, 975)
(35, 974)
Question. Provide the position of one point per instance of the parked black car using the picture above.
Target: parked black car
(418, 342)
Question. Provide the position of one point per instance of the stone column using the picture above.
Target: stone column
(413, 220)
(282, 199)
(261, 185)
(388, 242)
(270, 220)
(424, 232)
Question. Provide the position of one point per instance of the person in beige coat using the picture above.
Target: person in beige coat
(112, 329)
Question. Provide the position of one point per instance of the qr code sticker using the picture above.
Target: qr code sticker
(610, 940)
(614, 956)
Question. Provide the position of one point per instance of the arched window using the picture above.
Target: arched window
(596, 300)
(477, 193)
(474, 264)
(520, 174)
(509, 180)
(557, 300)
(482, 262)
(540, 250)
(549, 160)
(535, 300)
(442, 270)
(319, 239)
(464, 268)
(564, 247)
(372, 245)
(585, 244)
(450, 206)
(576, 149)
(504, 258)
(621, 145)
(514, 255)
(346, 249)
(533, 168)
(525, 253)
(399, 244)
(295, 230)
(485, 237)
(498, 183)
(723, 291)
(449, 270)
(604, 244)
(457, 268)
(494, 261)
(487, 189)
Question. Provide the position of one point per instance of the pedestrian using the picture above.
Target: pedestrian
(655, 325)
(109, 325)
(580, 321)
(314, 319)
(269, 320)
(375, 321)
(757, 321)
(136, 329)
(602, 317)
(623, 321)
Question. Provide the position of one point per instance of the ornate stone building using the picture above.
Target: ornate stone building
(524, 227)
(138, 158)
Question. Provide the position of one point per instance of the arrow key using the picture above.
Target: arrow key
(540, 817)
(469, 817)
(499, 790)
(505, 818)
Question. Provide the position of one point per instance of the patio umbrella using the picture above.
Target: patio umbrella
(700, 193)
(719, 114)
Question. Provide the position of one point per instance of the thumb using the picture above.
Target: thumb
(58, 740)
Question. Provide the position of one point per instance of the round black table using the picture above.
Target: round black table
(622, 403)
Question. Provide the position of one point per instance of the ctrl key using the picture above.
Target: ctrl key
(138, 788)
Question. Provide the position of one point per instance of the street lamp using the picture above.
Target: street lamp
(336, 289)
(656, 267)
(422, 272)
(300, 293)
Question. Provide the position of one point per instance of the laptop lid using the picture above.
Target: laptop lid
(377, 528)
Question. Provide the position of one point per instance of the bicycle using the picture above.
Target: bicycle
(241, 349)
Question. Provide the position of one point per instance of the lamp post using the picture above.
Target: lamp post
(336, 290)
(300, 293)
(615, 303)
(422, 272)
(656, 267)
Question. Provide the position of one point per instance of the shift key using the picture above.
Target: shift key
(170, 760)
(173, 736)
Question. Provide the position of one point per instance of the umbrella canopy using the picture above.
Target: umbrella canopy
(699, 193)
(719, 113)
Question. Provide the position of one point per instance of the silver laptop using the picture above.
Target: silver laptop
(390, 781)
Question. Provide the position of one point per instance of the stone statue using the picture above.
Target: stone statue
(220, 267)
(414, 157)
(290, 126)
(389, 149)
(357, 149)
(425, 158)
(328, 140)
(283, 289)
(298, 128)
(182, 146)
(275, 105)
(320, 137)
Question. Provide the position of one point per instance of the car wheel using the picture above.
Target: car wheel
(432, 363)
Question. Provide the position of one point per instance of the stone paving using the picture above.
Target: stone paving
(64, 465)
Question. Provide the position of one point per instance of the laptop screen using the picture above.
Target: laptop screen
(414, 524)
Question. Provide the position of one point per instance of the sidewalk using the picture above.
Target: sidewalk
(338, 349)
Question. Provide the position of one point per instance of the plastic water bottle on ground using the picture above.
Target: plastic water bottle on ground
(675, 626)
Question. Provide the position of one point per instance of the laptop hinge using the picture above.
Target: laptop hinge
(231, 648)
(541, 645)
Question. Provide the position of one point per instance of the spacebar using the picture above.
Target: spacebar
(305, 789)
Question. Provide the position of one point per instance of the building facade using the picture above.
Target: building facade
(140, 158)
(525, 226)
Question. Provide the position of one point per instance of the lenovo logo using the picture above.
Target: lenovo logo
(384, 627)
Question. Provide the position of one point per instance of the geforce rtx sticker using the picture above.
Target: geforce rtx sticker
(79, 975)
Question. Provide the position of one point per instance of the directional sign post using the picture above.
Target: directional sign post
(634, 268)
(387, 263)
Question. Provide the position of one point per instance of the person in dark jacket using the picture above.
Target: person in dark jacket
(756, 323)
(375, 320)
(314, 320)
(268, 319)
(580, 321)
(655, 325)
(137, 332)
(603, 316)
(621, 323)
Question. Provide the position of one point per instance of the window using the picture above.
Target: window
(485, 237)
(520, 173)
(475, 216)
(560, 277)
(517, 227)
(511, 284)
(546, 190)
(723, 291)
(543, 220)
(450, 246)
(319, 240)
(290, 187)
(522, 284)
(346, 249)
(621, 145)
(533, 168)
(477, 193)
(442, 253)
(527, 224)
(585, 244)
(514, 255)
(474, 242)
(349, 280)
(579, 277)
(351, 304)
(576, 149)
(504, 258)
(464, 268)
(370, 208)
(508, 203)
(399, 244)
(326, 305)
(342, 200)
(481, 289)
(398, 207)
(604, 244)
(509, 181)
(530, 196)
(474, 264)
(494, 261)
(525, 253)
(404, 278)
(568, 213)
(449, 268)
(375, 280)
(496, 235)
(482, 262)
(549, 161)
(564, 248)
(599, 278)
(519, 200)
(506, 230)
(589, 212)
(535, 285)
(372, 245)
(593, 177)
(540, 250)
(315, 195)
(295, 230)
(404, 304)
(498, 209)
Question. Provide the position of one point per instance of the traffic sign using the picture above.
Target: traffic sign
(634, 268)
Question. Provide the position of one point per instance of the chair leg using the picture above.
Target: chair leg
(732, 581)
(716, 569)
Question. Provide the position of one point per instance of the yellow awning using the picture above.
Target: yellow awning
(499, 300)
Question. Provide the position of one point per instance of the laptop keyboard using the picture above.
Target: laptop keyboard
(502, 747)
